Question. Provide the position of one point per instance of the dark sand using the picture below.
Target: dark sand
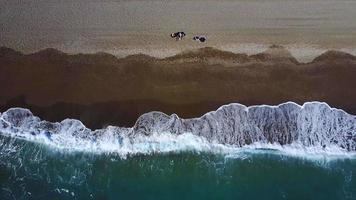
(101, 89)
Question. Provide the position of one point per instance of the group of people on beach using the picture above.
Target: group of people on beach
(181, 35)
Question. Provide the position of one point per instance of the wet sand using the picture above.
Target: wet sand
(56, 85)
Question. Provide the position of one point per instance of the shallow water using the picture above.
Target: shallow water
(123, 27)
(34, 171)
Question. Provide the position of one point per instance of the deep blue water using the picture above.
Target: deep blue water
(34, 171)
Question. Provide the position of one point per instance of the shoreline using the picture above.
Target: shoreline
(314, 124)
(303, 52)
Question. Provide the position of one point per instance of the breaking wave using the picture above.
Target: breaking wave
(311, 129)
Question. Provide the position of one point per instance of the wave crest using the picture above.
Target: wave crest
(313, 125)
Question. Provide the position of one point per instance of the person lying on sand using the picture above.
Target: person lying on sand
(199, 38)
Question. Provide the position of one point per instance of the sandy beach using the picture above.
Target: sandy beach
(305, 28)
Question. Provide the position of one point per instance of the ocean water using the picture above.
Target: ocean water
(34, 171)
(236, 152)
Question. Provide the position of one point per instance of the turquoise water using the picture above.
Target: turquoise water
(34, 171)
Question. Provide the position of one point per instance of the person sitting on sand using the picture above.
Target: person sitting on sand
(178, 35)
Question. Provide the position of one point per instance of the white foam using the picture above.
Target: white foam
(158, 133)
(161, 143)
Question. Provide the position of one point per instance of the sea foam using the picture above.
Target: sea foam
(311, 129)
